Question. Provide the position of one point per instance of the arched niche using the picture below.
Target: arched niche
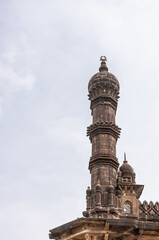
(127, 207)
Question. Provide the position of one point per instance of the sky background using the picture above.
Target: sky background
(48, 52)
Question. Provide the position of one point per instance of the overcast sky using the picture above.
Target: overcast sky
(48, 52)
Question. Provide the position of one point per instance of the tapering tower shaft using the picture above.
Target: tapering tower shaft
(103, 133)
(103, 94)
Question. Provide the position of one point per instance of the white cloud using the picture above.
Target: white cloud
(15, 75)
(66, 129)
(10, 54)
(12, 82)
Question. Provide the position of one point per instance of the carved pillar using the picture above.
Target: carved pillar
(98, 194)
(119, 200)
(111, 195)
(88, 198)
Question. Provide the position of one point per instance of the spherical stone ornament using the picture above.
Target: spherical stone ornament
(125, 167)
(103, 80)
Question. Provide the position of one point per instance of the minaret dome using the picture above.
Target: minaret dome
(103, 80)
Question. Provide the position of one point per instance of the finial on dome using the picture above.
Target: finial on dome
(103, 66)
(125, 161)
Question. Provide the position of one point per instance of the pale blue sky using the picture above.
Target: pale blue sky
(48, 52)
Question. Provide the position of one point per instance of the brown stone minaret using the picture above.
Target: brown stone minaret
(113, 211)
(103, 133)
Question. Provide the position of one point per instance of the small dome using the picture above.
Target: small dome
(103, 78)
(125, 167)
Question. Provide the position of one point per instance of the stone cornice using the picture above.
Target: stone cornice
(102, 100)
(95, 94)
(104, 88)
(128, 187)
(104, 159)
(103, 128)
(114, 227)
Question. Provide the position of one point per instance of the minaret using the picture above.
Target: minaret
(113, 208)
(103, 90)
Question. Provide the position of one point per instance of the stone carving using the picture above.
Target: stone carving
(149, 209)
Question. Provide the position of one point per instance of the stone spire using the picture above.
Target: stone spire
(125, 161)
(103, 133)
(103, 66)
